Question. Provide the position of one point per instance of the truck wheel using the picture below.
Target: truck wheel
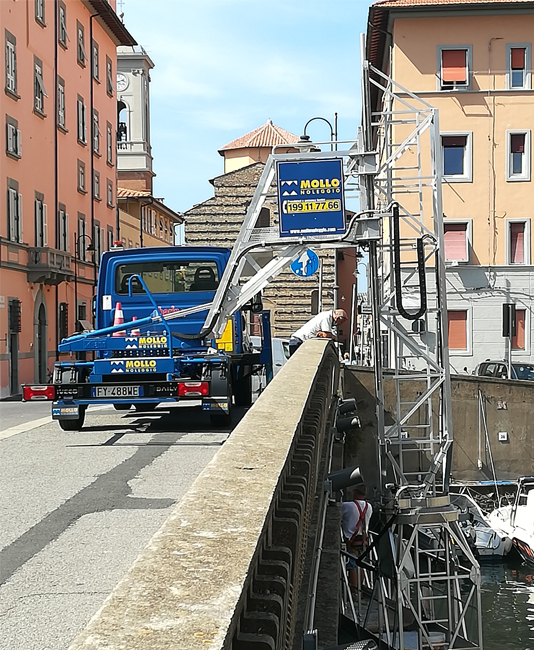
(122, 407)
(243, 391)
(221, 420)
(74, 425)
(146, 407)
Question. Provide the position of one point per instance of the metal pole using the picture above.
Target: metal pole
(320, 300)
(510, 332)
(353, 308)
(75, 279)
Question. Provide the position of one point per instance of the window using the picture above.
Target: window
(11, 64)
(41, 222)
(63, 36)
(454, 65)
(39, 91)
(110, 193)
(168, 276)
(81, 177)
(96, 132)
(518, 238)
(82, 121)
(111, 238)
(40, 11)
(109, 143)
(518, 73)
(264, 218)
(457, 237)
(63, 219)
(14, 211)
(518, 341)
(109, 76)
(81, 238)
(61, 116)
(95, 62)
(63, 320)
(81, 55)
(13, 138)
(518, 155)
(457, 157)
(96, 185)
(457, 321)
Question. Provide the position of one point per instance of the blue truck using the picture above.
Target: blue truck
(149, 344)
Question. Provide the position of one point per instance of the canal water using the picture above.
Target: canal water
(508, 606)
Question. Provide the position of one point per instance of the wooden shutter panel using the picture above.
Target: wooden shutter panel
(518, 58)
(455, 236)
(457, 330)
(517, 243)
(518, 341)
(454, 66)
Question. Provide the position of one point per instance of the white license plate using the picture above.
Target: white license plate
(116, 391)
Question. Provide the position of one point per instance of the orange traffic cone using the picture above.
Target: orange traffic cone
(135, 331)
(119, 320)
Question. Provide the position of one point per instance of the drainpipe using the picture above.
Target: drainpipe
(56, 173)
(91, 101)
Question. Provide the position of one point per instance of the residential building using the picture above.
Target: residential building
(59, 108)
(217, 221)
(472, 60)
(145, 220)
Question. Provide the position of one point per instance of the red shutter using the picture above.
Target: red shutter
(518, 341)
(457, 330)
(455, 242)
(518, 58)
(454, 67)
(517, 243)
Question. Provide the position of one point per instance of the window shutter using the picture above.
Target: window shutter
(84, 119)
(454, 68)
(518, 341)
(517, 243)
(518, 58)
(10, 133)
(19, 142)
(45, 225)
(66, 231)
(19, 220)
(517, 142)
(457, 330)
(455, 236)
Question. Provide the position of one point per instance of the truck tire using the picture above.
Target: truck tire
(122, 407)
(222, 384)
(74, 425)
(243, 390)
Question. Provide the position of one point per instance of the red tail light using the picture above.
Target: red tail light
(193, 388)
(36, 393)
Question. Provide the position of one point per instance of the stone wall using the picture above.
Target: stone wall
(217, 221)
(506, 405)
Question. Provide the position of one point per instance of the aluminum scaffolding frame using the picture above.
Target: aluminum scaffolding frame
(420, 578)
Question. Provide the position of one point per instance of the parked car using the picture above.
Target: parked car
(499, 369)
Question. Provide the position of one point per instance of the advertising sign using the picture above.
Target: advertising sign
(310, 198)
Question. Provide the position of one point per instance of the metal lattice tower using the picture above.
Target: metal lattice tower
(421, 574)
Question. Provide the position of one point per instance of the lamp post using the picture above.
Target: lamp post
(305, 143)
(89, 249)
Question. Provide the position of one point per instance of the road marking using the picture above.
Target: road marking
(33, 424)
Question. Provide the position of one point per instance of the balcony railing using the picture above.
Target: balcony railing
(49, 265)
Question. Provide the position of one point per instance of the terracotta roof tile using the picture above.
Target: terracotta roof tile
(124, 193)
(265, 136)
(422, 3)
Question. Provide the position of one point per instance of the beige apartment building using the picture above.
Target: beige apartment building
(472, 60)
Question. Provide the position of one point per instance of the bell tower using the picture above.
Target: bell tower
(134, 153)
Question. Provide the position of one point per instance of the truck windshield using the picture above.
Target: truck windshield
(171, 276)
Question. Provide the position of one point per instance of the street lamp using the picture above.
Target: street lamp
(90, 248)
(333, 131)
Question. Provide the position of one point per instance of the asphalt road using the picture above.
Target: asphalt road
(77, 508)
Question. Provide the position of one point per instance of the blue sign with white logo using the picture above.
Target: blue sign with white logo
(311, 198)
(306, 265)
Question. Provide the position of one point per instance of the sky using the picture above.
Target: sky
(225, 67)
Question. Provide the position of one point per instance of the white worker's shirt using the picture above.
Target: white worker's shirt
(323, 322)
(350, 516)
